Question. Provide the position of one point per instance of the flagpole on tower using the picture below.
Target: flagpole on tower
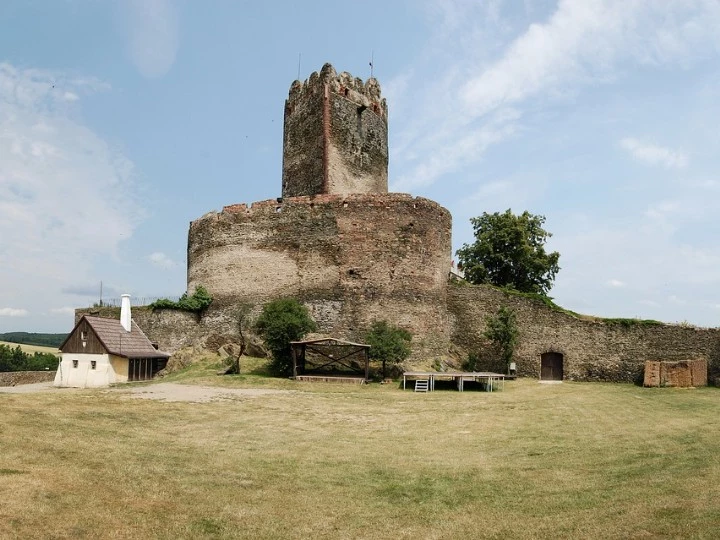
(372, 61)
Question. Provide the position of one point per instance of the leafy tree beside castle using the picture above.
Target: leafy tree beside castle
(280, 322)
(509, 251)
(502, 331)
(388, 343)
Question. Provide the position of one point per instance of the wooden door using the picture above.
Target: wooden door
(551, 367)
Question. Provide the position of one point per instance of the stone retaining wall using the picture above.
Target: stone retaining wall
(592, 349)
(13, 378)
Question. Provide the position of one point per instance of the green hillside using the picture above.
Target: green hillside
(31, 338)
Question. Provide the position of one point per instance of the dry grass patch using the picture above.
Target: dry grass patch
(336, 461)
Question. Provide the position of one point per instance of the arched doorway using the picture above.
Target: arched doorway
(551, 366)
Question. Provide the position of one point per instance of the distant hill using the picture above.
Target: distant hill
(30, 338)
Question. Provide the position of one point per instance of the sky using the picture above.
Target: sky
(123, 121)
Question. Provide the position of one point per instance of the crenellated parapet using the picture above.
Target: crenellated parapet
(335, 136)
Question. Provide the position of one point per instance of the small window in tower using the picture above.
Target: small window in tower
(75, 363)
(93, 364)
(83, 335)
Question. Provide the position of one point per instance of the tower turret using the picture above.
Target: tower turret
(335, 136)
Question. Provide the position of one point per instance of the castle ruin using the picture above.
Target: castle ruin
(336, 239)
(354, 253)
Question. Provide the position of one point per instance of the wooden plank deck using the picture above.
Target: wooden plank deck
(460, 377)
(330, 379)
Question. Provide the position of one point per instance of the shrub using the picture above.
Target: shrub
(280, 322)
(197, 302)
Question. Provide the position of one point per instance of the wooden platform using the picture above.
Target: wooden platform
(490, 380)
(330, 379)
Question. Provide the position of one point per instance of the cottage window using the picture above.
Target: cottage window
(75, 363)
(93, 364)
(83, 335)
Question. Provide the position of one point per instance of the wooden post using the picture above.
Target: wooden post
(367, 365)
(294, 359)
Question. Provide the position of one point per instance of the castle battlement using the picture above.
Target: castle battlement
(353, 89)
(335, 136)
(390, 201)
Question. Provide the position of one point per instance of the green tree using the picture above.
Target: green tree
(280, 322)
(388, 343)
(15, 359)
(501, 329)
(509, 251)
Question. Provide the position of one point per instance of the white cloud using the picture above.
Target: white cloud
(654, 155)
(580, 45)
(153, 35)
(616, 283)
(12, 312)
(161, 260)
(66, 196)
(67, 310)
(70, 96)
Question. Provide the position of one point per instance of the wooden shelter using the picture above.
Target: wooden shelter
(330, 358)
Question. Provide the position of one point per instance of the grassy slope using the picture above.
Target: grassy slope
(31, 349)
(336, 461)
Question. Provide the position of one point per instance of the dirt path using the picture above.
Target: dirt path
(160, 391)
(194, 394)
(28, 388)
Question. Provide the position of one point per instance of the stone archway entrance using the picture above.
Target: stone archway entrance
(551, 366)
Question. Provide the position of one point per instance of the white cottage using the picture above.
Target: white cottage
(100, 351)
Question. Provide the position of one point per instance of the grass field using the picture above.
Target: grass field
(332, 461)
(31, 349)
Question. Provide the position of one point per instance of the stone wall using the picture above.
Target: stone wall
(174, 329)
(352, 259)
(335, 136)
(13, 378)
(593, 350)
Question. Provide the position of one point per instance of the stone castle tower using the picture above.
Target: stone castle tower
(336, 240)
(335, 139)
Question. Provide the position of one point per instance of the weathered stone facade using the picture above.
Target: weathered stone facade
(683, 374)
(335, 136)
(353, 259)
(592, 349)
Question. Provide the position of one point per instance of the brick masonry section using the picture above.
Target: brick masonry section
(681, 374)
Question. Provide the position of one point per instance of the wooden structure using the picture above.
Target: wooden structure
(427, 379)
(330, 358)
(100, 351)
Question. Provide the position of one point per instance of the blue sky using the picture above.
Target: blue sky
(121, 122)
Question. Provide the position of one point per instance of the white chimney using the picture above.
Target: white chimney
(125, 317)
